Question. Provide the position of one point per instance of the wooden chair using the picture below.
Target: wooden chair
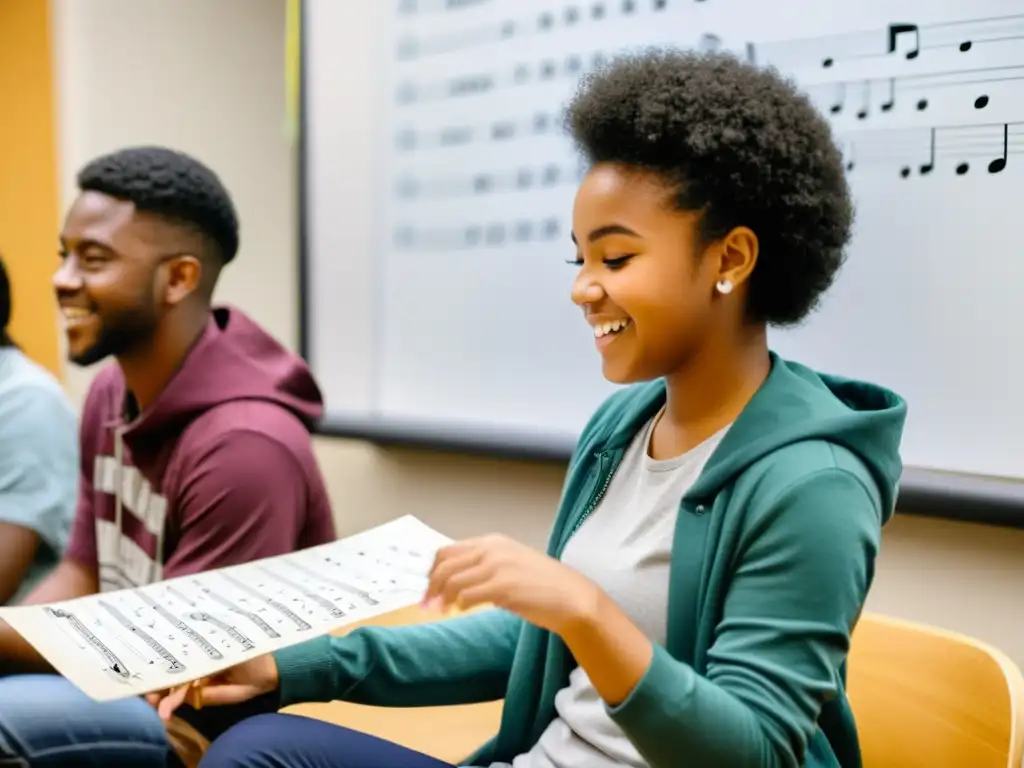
(925, 697)
(446, 733)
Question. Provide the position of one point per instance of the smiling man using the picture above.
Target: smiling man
(195, 447)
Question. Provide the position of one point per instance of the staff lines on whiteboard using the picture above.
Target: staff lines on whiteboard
(884, 93)
(965, 35)
(472, 235)
(549, 70)
(908, 151)
(569, 16)
(918, 151)
(545, 70)
(414, 7)
(890, 145)
(411, 138)
(520, 179)
(465, 84)
(875, 95)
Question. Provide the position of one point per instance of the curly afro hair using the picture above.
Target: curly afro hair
(169, 184)
(739, 143)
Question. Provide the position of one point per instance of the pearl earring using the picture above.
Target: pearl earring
(724, 286)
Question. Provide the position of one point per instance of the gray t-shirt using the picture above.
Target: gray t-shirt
(39, 466)
(625, 546)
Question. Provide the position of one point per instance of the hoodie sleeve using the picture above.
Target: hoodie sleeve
(798, 586)
(240, 496)
(463, 660)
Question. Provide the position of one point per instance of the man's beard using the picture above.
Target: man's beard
(122, 333)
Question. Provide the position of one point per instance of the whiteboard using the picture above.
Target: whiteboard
(437, 193)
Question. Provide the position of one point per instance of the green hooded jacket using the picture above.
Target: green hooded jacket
(772, 559)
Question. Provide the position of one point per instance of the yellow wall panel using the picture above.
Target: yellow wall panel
(29, 180)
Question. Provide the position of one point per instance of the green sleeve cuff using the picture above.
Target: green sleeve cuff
(660, 685)
(305, 672)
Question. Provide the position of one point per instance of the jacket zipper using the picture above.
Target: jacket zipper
(596, 500)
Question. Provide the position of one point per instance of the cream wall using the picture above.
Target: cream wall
(207, 76)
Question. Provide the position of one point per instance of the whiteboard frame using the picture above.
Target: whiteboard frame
(922, 492)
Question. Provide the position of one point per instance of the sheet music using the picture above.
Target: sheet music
(129, 642)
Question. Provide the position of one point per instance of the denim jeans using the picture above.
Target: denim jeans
(45, 721)
(293, 741)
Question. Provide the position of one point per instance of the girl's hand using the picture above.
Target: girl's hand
(498, 570)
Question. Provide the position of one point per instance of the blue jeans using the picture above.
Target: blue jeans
(45, 721)
(293, 741)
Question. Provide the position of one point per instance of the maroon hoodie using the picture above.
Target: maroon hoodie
(219, 470)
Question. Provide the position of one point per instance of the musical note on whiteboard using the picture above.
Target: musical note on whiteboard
(929, 166)
(899, 32)
(999, 163)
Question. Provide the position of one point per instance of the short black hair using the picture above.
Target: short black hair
(5, 305)
(738, 142)
(169, 184)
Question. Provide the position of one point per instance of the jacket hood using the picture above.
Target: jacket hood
(234, 359)
(794, 404)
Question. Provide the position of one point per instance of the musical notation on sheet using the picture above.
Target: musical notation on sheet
(132, 641)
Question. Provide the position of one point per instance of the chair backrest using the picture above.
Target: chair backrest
(927, 697)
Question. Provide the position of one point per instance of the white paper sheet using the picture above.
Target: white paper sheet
(132, 641)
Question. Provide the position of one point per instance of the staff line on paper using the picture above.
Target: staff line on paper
(229, 629)
(342, 586)
(320, 600)
(278, 606)
(253, 617)
(173, 665)
(115, 645)
(114, 663)
(179, 624)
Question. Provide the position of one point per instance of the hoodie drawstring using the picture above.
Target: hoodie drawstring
(118, 489)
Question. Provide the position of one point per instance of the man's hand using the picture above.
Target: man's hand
(232, 686)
